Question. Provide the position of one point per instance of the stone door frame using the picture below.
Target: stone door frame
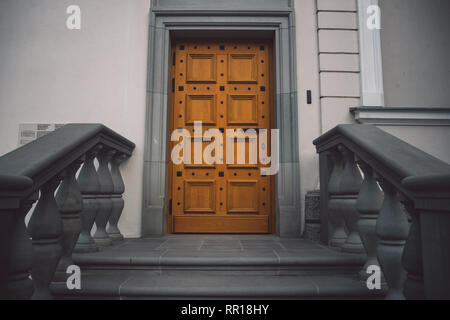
(164, 21)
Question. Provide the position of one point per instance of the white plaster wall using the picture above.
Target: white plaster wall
(415, 46)
(98, 74)
(49, 74)
(431, 139)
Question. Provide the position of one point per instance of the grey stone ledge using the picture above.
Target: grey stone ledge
(409, 116)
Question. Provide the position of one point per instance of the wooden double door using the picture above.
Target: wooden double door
(225, 85)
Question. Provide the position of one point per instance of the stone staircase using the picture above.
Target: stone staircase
(218, 267)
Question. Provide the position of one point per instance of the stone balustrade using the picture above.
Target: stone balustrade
(398, 213)
(45, 172)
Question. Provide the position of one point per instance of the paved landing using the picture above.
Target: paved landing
(219, 267)
(219, 250)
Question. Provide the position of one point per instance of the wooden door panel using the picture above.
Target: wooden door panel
(221, 224)
(242, 110)
(225, 85)
(250, 157)
(201, 145)
(200, 107)
(242, 68)
(199, 196)
(201, 68)
(243, 196)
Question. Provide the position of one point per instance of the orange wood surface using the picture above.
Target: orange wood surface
(226, 85)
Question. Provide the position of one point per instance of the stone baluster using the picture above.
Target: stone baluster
(105, 202)
(70, 204)
(20, 285)
(412, 259)
(339, 234)
(90, 188)
(117, 200)
(45, 229)
(392, 230)
(6, 224)
(349, 187)
(369, 203)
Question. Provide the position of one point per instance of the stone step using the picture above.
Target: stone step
(143, 285)
(219, 267)
(302, 258)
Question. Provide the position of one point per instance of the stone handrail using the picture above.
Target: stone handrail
(397, 210)
(34, 255)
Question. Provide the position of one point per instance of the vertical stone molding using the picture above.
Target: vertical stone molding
(70, 204)
(90, 188)
(339, 234)
(412, 259)
(349, 187)
(45, 230)
(104, 198)
(117, 200)
(392, 230)
(372, 92)
(369, 203)
(20, 285)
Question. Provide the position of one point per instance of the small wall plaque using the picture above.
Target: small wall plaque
(32, 131)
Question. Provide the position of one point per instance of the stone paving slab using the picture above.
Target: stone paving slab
(170, 248)
(133, 285)
(219, 266)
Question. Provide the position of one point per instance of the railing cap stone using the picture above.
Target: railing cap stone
(48, 155)
(382, 150)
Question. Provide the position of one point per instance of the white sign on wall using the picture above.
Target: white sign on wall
(32, 131)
